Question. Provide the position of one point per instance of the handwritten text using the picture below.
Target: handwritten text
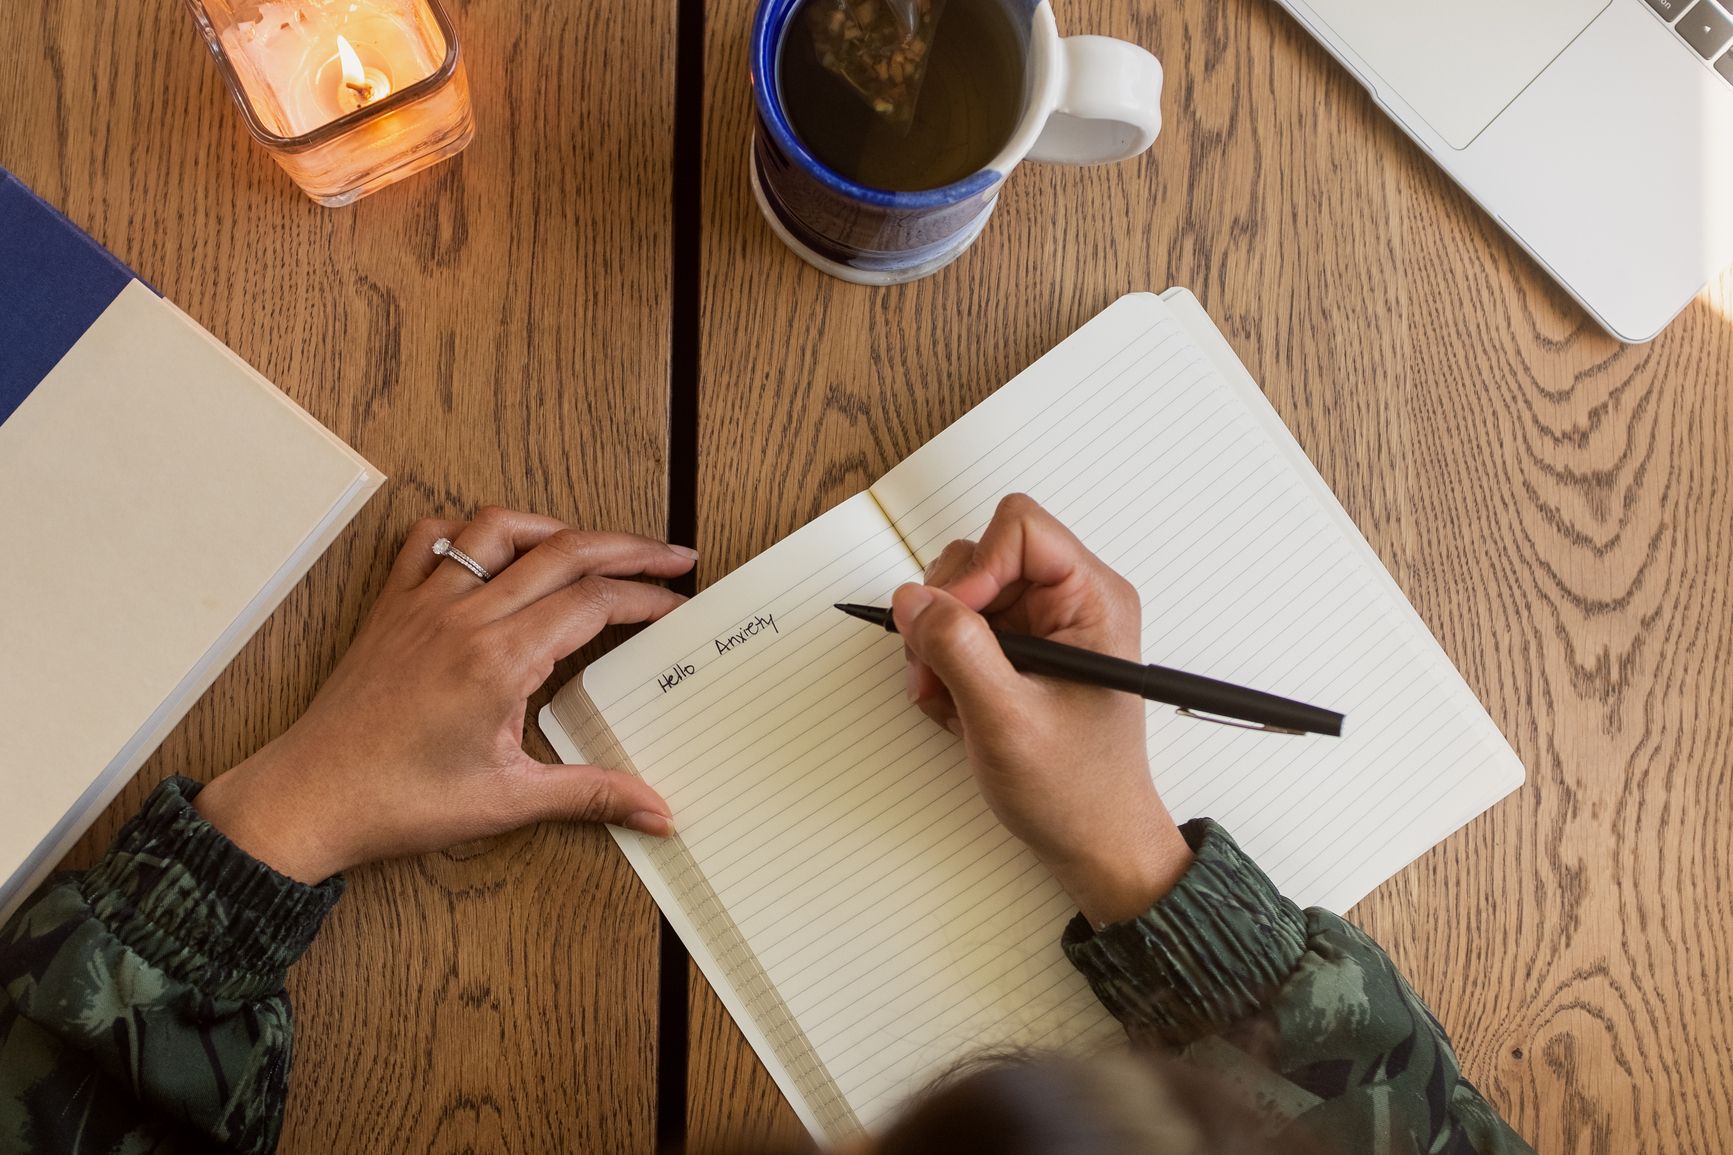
(676, 674)
(745, 633)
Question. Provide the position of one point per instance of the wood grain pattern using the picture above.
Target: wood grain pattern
(1556, 505)
(495, 329)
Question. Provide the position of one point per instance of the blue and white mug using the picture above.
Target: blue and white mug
(1086, 100)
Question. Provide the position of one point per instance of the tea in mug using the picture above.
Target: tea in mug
(903, 95)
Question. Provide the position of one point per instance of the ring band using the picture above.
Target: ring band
(444, 548)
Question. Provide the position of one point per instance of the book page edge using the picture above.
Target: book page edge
(107, 785)
(1510, 774)
(270, 387)
(1345, 898)
(1190, 313)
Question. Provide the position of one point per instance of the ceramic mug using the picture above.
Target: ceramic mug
(1086, 100)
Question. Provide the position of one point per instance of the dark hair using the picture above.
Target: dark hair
(1114, 1103)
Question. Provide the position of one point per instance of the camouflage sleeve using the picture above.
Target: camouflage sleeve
(141, 1003)
(1297, 1011)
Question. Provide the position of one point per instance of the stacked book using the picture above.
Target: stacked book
(158, 498)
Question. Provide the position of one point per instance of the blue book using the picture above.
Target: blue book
(160, 499)
(54, 283)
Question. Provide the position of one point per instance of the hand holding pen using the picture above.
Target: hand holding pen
(1195, 696)
(1063, 765)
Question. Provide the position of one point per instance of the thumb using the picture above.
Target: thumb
(592, 794)
(956, 643)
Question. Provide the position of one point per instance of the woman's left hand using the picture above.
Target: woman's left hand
(416, 741)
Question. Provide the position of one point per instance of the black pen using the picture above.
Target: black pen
(1196, 696)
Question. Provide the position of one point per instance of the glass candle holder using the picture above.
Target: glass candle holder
(347, 95)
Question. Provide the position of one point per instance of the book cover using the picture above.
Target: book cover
(160, 498)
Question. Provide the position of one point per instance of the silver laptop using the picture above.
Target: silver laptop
(1599, 133)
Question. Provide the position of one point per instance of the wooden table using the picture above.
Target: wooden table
(1557, 507)
(496, 329)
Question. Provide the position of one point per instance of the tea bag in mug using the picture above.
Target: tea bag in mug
(879, 47)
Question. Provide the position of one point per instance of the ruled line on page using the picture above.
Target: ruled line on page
(873, 853)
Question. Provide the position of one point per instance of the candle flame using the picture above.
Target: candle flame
(354, 76)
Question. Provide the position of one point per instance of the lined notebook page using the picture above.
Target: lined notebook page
(1145, 435)
(837, 876)
(868, 916)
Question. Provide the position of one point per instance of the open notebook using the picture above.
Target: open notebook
(837, 876)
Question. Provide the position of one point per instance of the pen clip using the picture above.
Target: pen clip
(1236, 723)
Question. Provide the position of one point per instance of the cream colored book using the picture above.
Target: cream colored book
(837, 876)
(158, 498)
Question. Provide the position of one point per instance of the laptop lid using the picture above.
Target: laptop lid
(1457, 64)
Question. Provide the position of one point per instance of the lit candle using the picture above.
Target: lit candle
(301, 67)
(361, 85)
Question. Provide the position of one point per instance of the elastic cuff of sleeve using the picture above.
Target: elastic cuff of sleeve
(1208, 954)
(176, 891)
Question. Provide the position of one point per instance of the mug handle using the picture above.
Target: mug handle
(1109, 104)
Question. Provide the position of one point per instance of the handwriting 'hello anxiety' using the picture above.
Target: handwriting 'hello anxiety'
(748, 630)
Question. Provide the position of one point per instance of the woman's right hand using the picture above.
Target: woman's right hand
(1064, 766)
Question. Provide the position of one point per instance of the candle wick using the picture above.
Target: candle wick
(363, 89)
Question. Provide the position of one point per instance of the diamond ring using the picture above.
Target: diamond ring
(444, 548)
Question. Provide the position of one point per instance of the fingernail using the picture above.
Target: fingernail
(911, 679)
(955, 725)
(685, 551)
(927, 574)
(911, 601)
(651, 823)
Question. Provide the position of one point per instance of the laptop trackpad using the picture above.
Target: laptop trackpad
(1458, 63)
